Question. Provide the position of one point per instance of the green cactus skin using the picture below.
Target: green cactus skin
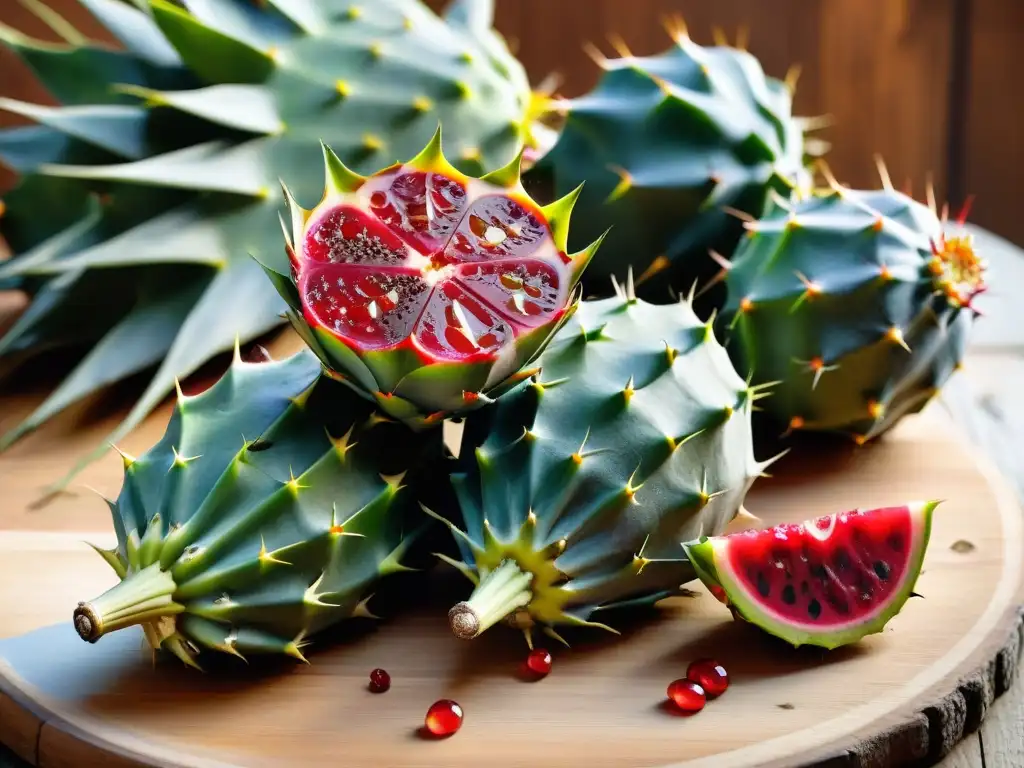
(667, 144)
(577, 487)
(275, 501)
(855, 306)
(159, 173)
(426, 290)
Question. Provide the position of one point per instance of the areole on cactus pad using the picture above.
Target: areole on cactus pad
(427, 290)
(825, 582)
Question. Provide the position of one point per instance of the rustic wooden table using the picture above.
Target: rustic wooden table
(984, 401)
(987, 401)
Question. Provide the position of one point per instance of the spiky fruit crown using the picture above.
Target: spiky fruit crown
(425, 289)
(272, 505)
(158, 174)
(856, 304)
(666, 144)
(577, 487)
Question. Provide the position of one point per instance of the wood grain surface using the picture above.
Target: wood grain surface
(907, 693)
(992, 106)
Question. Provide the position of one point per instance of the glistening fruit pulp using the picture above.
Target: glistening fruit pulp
(828, 572)
(447, 264)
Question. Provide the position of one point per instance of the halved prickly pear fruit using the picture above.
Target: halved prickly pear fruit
(826, 582)
(426, 289)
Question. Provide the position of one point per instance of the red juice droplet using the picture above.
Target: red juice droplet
(687, 695)
(539, 661)
(380, 681)
(444, 717)
(709, 675)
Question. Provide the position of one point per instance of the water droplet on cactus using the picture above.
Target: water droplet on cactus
(443, 718)
(539, 661)
(380, 681)
(709, 675)
(687, 695)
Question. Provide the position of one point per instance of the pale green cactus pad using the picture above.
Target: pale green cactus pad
(271, 508)
(577, 487)
(855, 306)
(668, 144)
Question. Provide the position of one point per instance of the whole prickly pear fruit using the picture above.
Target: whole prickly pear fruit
(426, 290)
(275, 501)
(666, 144)
(577, 488)
(856, 304)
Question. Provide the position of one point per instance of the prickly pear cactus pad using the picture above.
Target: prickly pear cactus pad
(856, 304)
(826, 582)
(159, 173)
(272, 506)
(425, 289)
(577, 487)
(666, 144)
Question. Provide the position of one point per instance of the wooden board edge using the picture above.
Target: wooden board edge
(924, 737)
(20, 726)
(927, 736)
(41, 734)
(62, 748)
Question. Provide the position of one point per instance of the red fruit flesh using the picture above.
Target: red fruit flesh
(380, 681)
(456, 268)
(687, 695)
(539, 661)
(709, 675)
(827, 572)
(443, 718)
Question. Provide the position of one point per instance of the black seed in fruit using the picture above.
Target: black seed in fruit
(788, 594)
(836, 597)
(882, 569)
(763, 587)
(814, 608)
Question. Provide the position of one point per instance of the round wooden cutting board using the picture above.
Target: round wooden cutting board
(904, 694)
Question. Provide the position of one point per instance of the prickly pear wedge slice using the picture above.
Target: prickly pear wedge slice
(426, 289)
(825, 582)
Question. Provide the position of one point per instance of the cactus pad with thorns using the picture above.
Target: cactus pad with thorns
(855, 305)
(578, 487)
(667, 145)
(270, 509)
(158, 174)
